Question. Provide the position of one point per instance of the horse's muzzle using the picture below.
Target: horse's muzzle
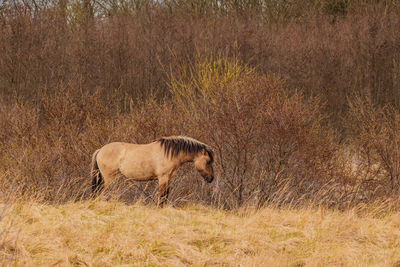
(210, 178)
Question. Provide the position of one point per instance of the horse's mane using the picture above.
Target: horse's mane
(173, 145)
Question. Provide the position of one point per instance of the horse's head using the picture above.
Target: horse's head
(203, 163)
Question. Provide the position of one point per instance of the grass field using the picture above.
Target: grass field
(98, 233)
(299, 100)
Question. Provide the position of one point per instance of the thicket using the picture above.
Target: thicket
(300, 99)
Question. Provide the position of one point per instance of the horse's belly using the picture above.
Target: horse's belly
(138, 169)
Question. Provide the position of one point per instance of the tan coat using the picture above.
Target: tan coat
(157, 160)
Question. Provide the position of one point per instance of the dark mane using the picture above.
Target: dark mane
(173, 145)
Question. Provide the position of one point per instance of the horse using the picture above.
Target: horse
(157, 160)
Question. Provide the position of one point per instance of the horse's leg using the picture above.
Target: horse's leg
(163, 186)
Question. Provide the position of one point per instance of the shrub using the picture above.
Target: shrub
(376, 143)
(265, 139)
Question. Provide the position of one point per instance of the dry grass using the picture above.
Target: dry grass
(97, 233)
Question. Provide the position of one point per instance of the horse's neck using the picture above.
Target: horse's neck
(186, 158)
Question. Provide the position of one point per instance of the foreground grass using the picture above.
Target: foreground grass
(112, 234)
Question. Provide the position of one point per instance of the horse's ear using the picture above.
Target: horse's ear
(211, 154)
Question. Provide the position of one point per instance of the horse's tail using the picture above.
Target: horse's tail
(97, 178)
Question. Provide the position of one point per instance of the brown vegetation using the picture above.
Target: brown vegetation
(300, 100)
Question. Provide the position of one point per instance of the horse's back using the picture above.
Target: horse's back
(111, 151)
